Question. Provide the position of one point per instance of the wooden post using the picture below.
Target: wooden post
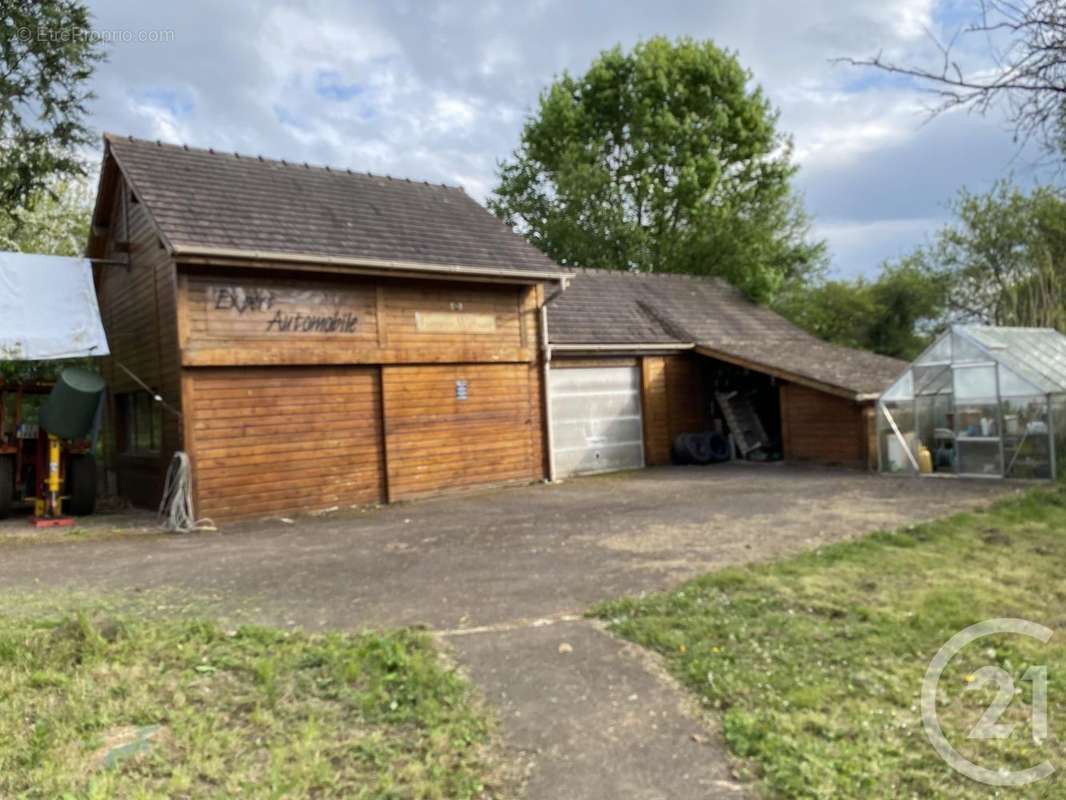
(786, 437)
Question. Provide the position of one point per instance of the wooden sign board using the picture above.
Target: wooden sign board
(272, 310)
(454, 322)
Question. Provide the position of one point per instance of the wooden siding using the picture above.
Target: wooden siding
(437, 442)
(566, 362)
(673, 401)
(282, 440)
(685, 395)
(822, 427)
(139, 311)
(386, 314)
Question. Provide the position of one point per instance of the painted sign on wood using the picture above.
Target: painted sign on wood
(454, 322)
(272, 309)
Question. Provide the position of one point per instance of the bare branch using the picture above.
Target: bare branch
(1029, 77)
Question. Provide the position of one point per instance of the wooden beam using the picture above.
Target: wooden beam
(783, 407)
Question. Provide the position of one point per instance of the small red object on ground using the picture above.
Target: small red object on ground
(51, 522)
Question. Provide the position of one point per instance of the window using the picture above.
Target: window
(140, 423)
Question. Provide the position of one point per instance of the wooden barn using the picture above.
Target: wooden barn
(322, 338)
(637, 359)
(319, 337)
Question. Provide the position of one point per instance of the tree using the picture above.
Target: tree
(895, 314)
(1007, 256)
(909, 298)
(660, 159)
(47, 55)
(55, 223)
(1026, 41)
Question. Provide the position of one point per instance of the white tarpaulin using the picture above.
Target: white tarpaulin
(48, 308)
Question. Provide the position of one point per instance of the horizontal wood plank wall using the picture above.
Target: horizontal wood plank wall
(673, 401)
(436, 442)
(275, 440)
(138, 306)
(229, 320)
(822, 427)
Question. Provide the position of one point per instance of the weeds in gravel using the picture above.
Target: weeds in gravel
(815, 663)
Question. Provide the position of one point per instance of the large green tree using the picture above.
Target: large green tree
(47, 55)
(664, 158)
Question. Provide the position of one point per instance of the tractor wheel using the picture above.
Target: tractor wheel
(81, 485)
(7, 485)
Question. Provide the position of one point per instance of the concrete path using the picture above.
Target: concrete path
(592, 719)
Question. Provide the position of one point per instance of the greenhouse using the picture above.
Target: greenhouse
(980, 402)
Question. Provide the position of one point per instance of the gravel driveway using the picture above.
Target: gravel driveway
(503, 578)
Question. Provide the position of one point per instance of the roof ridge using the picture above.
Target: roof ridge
(692, 276)
(115, 137)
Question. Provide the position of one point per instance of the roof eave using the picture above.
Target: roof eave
(621, 347)
(204, 252)
(787, 375)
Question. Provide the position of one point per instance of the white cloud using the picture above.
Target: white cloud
(162, 123)
(452, 113)
(908, 19)
(440, 92)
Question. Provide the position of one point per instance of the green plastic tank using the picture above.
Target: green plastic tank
(71, 406)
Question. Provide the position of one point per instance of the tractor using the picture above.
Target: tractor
(53, 471)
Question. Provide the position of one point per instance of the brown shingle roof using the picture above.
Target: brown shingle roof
(608, 307)
(204, 198)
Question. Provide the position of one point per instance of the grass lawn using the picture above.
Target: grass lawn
(254, 712)
(815, 664)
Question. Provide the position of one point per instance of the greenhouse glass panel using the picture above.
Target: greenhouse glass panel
(1026, 437)
(939, 353)
(897, 438)
(1058, 436)
(932, 380)
(1011, 385)
(975, 383)
(977, 419)
(902, 389)
(979, 458)
(963, 350)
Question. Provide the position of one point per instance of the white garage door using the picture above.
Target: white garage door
(596, 425)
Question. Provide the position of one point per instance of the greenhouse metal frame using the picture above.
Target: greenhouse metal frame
(980, 402)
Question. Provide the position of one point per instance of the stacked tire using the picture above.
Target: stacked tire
(700, 448)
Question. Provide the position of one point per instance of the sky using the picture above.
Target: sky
(439, 91)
